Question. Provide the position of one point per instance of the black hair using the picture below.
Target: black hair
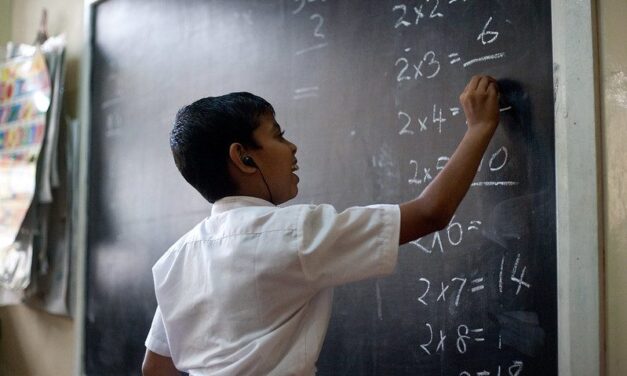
(203, 132)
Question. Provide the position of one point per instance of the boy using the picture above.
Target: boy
(248, 291)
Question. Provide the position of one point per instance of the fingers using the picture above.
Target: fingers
(484, 82)
(493, 89)
(472, 84)
(480, 102)
(480, 83)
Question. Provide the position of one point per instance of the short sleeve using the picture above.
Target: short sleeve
(157, 340)
(358, 243)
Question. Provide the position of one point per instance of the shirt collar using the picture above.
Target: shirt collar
(233, 202)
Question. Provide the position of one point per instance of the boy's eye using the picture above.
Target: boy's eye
(281, 134)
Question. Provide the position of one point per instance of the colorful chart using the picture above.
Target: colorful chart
(24, 101)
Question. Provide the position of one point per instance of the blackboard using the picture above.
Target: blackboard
(368, 91)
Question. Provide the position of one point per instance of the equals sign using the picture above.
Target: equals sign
(474, 225)
(479, 285)
(305, 92)
(454, 110)
(454, 58)
(478, 339)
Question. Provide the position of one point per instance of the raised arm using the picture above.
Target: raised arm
(434, 208)
(158, 365)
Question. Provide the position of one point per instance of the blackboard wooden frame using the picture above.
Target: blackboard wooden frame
(577, 156)
(577, 152)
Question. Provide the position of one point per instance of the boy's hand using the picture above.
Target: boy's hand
(480, 100)
(434, 208)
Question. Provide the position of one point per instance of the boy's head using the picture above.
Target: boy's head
(215, 138)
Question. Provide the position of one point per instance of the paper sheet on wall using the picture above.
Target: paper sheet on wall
(24, 102)
(48, 288)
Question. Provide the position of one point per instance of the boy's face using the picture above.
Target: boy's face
(276, 159)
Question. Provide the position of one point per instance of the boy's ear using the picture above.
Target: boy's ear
(236, 155)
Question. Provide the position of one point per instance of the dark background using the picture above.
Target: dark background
(152, 57)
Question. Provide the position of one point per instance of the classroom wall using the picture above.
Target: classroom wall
(613, 89)
(32, 342)
(5, 22)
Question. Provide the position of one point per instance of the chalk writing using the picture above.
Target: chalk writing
(459, 282)
(464, 336)
(417, 66)
(411, 15)
(427, 67)
(318, 41)
(498, 161)
(486, 36)
(495, 56)
(306, 92)
(302, 3)
(515, 369)
(412, 124)
(453, 234)
(520, 279)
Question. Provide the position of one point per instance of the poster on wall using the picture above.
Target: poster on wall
(24, 101)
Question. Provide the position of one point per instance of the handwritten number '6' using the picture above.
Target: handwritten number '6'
(486, 36)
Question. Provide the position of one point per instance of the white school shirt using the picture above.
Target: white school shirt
(248, 291)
